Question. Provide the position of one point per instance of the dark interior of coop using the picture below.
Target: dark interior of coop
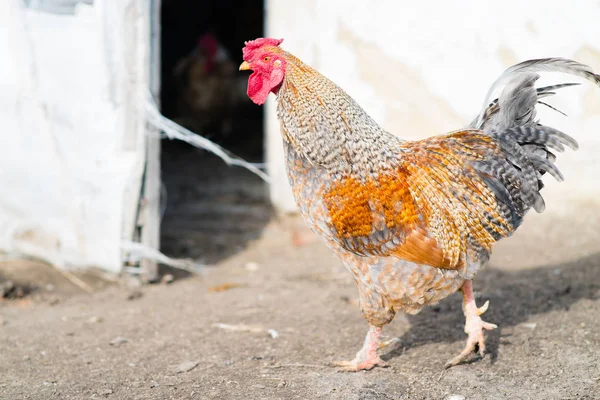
(210, 210)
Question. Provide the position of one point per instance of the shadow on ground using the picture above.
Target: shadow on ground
(515, 296)
(212, 210)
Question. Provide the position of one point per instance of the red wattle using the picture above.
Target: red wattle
(257, 90)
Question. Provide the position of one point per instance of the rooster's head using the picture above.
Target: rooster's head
(267, 61)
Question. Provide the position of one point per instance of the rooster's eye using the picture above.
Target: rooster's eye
(266, 59)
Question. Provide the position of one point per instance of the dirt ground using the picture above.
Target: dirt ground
(294, 308)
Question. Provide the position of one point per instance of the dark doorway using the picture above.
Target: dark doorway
(212, 210)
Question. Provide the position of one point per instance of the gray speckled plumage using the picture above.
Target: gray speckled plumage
(328, 127)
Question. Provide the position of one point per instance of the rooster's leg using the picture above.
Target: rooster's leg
(367, 357)
(474, 325)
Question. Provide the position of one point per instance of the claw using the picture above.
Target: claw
(389, 345)
(483, 308)
(488, 326)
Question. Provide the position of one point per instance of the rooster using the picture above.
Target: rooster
(413, 221)
(209, 93)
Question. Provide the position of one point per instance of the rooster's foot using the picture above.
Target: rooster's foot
(359, 364)
(474, 326)
(367, 357)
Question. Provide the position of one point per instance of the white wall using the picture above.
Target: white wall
(423, 68)
(72, 130)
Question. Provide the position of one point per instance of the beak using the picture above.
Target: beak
(245, 66)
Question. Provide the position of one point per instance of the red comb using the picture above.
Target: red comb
(209, 43)
(258, 43)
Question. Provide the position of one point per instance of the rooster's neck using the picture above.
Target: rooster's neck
(327, 127)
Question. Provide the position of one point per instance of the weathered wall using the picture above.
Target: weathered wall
(73, 135)
(423, 68)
